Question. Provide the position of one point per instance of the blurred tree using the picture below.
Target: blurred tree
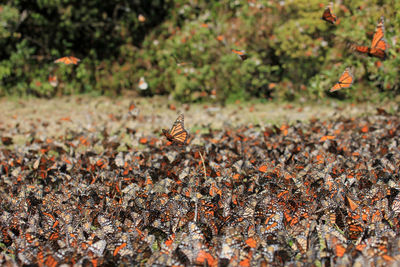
(183, 48)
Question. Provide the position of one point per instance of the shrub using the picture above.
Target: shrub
(292, 52)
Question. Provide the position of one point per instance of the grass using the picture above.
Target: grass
(53, 118)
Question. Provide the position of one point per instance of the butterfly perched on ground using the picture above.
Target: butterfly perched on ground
(378, 46)
(328, 15)
(241, 53)
(345, 81)
(177, 134)
(133, 110)
(68, 60)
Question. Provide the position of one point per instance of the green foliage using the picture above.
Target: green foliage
(38, 32)
(183, 48)
(288, 45)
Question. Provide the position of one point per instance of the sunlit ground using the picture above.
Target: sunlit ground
(55, 117)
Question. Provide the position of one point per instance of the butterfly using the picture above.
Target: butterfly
(181, 63)
(328, 15)
(53, 80)
(177, 134)
(68, 60)
(345, 81)
(241, 53)
(143, 85)
(141, 18)
(133, 110)
(396, 204)
(378, 46)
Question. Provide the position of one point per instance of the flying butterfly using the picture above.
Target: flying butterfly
(53, 80)
(345, 81)
(328, 15)
(241, 53)
(143, 85)
(378, 46)
(177, 134)
(68, 60)
(181, 63)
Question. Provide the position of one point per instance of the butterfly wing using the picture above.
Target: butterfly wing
(181, 137)
(68, 60)
(60, 60)
(166, 134)
(177, 133)
(241, 53)
(74, 60)
(379, 44)
(53, 80)
(361, 49)
(133, 110)
(345, 81)
(329, 16)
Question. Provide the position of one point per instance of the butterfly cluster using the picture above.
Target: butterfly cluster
(324, 191)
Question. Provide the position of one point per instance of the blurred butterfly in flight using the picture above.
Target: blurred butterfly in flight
(378, 46)
(143, 85)
(345, 81)
(241, 53)
(328, 15)
(68, 60)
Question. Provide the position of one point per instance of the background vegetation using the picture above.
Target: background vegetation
(293, 54)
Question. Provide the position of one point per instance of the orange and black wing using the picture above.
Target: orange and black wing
(345, 81)
(177, 133)
(241, 53)
(361, 49)
(133, 110)
(132, 106)
(379, 44)
(328, 15)
(68, 60)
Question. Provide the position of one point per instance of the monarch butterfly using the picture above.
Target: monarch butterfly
(241, 53)
(181, 63)
(68, 60)
(396, 204)
(143, 85)
(141, 18)
(345, 81)
(354, 229)
(133, 110)
(378, 46)
(53, 80)
(328, 15)
(177, 134)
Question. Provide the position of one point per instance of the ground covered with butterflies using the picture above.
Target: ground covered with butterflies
(322, 192)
